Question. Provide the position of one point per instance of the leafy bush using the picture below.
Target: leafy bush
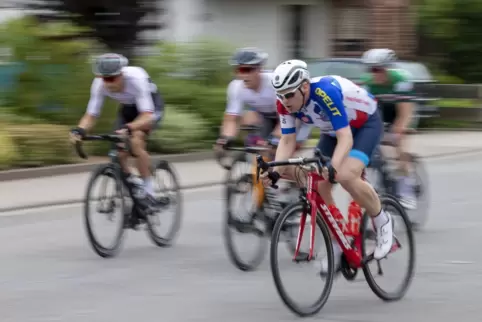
(38, 144)
(179, 132)
(54, 82)
(8, 153)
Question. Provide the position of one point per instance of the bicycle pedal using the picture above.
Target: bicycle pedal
(303, 257)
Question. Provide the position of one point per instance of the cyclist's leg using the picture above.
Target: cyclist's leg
(365, 140)
(139, 144)
(123, 155)
(405, 182)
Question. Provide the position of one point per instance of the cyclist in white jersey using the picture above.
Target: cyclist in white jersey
(252, 88)
(351, 129)
(141, 110)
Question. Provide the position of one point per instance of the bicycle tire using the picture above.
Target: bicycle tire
(102, 251)
(420, 216)
(235, 258)
(275, 236)
(167, 241)
(398, 294)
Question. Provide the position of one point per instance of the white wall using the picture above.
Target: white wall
(259, 23)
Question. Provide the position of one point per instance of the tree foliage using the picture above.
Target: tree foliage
(118, 24)
(456, 28)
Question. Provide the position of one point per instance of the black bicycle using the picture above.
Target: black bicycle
(386, 183)
(260, 218)
(133, 211)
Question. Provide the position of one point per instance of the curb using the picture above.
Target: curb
(57, 170)
(80, 200)
(195, 186)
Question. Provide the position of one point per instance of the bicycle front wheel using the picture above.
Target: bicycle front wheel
(289, 213)
(170, 198)
(107, 205)
(253, 222)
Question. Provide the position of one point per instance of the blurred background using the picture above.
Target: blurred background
(46, 47)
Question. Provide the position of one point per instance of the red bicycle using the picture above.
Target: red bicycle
(355, 252)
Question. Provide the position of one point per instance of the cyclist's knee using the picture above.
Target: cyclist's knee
(138, 141)
(349, 172)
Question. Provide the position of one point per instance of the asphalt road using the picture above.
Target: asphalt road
(49, 273)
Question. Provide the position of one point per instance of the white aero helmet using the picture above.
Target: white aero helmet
(379, 57)
(289, 74)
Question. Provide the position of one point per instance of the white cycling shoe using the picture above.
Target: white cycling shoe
(384, 230)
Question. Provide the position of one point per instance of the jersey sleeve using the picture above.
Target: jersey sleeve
(287, 121)
(403, 86)
(96, 98)
(365, 81)
(235, 103)
(330, 99)
(144, 101)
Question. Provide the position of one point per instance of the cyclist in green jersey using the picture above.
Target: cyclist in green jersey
(394, 91)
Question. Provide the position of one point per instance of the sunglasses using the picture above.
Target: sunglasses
(287, 95)
(245, 70)
(109, 79)
(377, 69)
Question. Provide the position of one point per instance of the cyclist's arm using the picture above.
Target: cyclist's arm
(287, 143)
(234, 109)
(94, 107)
(404, 91)
(145, 106)
(331, 101)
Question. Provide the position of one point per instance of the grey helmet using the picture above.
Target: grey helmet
(248, 56)
(109, 64)
(379, 57)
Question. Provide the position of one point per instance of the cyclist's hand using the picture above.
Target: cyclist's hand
(221, 142)
(329, 173)
(76, 135)
(266, 180)
(123, 132)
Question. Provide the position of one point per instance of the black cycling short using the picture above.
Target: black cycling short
(129, 112)
(388, 112)
(269, 122)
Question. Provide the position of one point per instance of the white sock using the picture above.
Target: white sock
(337, 251)
(149, 185)
(381, 219)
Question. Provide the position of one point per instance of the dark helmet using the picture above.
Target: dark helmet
(109, 65)
(248, 56)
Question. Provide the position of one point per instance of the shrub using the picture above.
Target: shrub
(40, 144)
(8, 153)
(179, 132)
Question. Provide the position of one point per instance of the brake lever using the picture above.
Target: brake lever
(80, 151)
(259, 161)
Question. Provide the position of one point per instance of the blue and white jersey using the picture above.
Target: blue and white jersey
(335, 102)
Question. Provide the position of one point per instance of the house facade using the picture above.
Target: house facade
(301, 28)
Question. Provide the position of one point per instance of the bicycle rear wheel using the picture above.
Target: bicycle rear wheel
(390, 204)
(308, 310)
(109, 204)
(173, 197)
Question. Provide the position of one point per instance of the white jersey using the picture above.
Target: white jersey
(262, 101)
(137, 91)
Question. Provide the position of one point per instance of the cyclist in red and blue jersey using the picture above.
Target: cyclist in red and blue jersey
(351, 129)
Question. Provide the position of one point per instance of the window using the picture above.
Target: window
(351, 32)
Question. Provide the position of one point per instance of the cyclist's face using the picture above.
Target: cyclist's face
(113, 83)
(292, 98)
(379, 74)
(249, 75)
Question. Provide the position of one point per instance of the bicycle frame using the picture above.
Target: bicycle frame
(317, 204)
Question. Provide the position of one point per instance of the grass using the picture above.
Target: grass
(458, 103)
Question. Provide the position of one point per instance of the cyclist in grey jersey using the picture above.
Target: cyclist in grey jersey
(141, 110)
(252, 88)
